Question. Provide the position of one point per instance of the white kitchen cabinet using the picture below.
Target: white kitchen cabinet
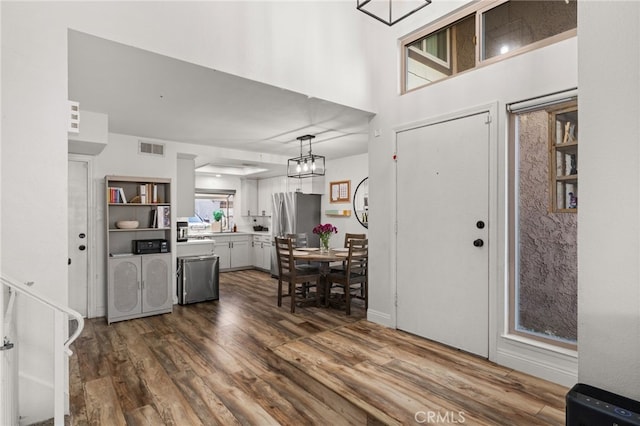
(265, 189)
(139, 286)
(233, 252)
(249, 200)
(262, 252)
(314, 185)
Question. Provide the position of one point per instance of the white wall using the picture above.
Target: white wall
(609, 231)
(354, 168)
(34, 188)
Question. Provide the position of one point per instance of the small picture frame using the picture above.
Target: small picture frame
(340, 191)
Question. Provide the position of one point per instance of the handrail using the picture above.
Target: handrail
(24, 288)
(61, 346)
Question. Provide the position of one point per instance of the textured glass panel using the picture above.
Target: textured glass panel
(519, 23)
(546, 280)
(156, 273)
(125, 283)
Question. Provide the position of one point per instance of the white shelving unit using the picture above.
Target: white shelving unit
(138, 284)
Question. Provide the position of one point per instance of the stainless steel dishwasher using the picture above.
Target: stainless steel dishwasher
(198, 279)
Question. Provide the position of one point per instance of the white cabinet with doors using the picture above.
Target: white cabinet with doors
(265, 189)
(262, 252)
(139, 286)
(233, 251)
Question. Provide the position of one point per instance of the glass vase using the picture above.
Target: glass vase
(324, 244)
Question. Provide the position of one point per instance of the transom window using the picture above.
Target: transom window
(483, 33)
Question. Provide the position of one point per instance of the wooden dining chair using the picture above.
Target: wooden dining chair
(299, 281)
(338, 267)
(348, 237)
(301, 240)
(354, 279)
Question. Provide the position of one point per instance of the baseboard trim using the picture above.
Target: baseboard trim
(379, 318)
(565, 376)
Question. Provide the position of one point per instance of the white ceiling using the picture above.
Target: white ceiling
(155, 96)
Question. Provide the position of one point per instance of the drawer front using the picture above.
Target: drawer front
(195, 249)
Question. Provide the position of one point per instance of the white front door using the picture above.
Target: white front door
(442, 246)
(78, 236)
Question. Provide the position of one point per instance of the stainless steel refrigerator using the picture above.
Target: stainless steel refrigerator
(294, 213)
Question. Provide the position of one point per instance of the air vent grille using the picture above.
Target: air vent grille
(151, 148)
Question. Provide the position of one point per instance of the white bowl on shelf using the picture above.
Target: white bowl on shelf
(127, 224)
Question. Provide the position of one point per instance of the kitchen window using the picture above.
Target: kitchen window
(483, 33)
(213, 210)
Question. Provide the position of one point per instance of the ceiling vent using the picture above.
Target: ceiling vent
(151, 148)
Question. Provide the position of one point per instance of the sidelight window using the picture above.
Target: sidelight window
(542, 239)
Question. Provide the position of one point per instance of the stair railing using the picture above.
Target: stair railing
(62, 314)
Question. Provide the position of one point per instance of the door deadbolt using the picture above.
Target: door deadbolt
(478, 243)
(82, 235)
(480, 224)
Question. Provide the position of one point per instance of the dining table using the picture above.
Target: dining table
(324, 259)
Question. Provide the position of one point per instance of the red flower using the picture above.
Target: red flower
(325, 229)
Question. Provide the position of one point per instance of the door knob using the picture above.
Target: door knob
(480, 224)
(82, 247)
(478, 243)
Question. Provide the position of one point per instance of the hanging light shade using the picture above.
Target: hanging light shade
(390, 11)
(306, 165)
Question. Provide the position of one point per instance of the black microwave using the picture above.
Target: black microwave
(150, 246)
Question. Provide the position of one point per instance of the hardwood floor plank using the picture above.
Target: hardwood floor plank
(103, 407)
(242, 405)
(314, 410)
(168, 400)
(77, 404)
(207, 405)
(143, 416)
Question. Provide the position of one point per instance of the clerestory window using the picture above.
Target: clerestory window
(483, 33)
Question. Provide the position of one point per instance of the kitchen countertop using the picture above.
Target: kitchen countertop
(224, 234)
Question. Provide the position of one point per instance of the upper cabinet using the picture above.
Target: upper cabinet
(249, 201)
(563, 158)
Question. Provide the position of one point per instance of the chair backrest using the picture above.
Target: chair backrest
(348, 237)
(358, 258)
(284, 251)
(299, 240)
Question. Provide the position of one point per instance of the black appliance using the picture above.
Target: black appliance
(150, 246)
(198, 279)
(590, 406)
(183, 231)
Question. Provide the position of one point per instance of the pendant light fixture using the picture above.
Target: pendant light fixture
(390, 11)
(306, 165)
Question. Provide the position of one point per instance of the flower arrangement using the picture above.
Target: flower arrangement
(324, 231)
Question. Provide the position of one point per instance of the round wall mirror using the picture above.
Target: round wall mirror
(361, 202)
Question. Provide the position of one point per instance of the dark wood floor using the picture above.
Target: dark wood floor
(243, 360)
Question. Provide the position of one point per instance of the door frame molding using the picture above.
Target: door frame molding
(91, 234)
(496, 217)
